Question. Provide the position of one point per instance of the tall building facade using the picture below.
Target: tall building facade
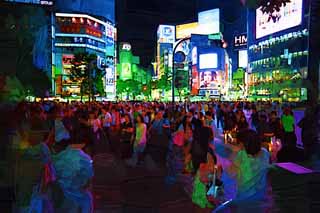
(82, 26)
(278, 48)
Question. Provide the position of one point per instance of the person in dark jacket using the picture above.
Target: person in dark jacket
(308, 131)
(203, 136)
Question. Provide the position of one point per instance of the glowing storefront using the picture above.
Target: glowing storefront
(73, 33)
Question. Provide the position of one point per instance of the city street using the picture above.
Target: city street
(160, 106)
(119, 188)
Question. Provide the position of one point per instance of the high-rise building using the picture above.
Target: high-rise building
(74, 33)
(83, 26)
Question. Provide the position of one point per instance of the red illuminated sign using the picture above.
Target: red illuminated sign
(195, 81)
(66, 59)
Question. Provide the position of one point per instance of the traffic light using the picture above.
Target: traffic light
(181, 79)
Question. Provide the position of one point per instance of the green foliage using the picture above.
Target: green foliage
(84, 69)
(181, 79)
(22, 25)
(140, 84)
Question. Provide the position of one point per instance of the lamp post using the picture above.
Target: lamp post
(173, 67)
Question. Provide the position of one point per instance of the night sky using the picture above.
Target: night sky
(137, 21)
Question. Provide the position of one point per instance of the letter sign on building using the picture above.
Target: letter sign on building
(126, 47)
(240, 41)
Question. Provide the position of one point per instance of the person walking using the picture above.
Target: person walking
(288, 122)
(139, 142)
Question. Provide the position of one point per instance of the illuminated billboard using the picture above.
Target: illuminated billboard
(209, 22)
(208, 80)
(166, 34)
(208, 61)
(195, 81)
(42, 2)
(110, 80)
(185, 30)
(126, 72)
(288, 16)
(243, 58)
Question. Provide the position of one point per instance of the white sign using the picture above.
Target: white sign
(110, 83)
(208, 61)
(209, 22)
(243, 58)
(166, 34)
(288, 16)
(126, 46)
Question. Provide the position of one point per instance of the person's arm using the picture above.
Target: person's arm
(128, 129)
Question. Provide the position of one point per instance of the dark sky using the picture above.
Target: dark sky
(137, 22)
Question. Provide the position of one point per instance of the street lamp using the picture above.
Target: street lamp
(173, 67)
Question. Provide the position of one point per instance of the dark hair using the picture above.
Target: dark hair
(141, 118)
(250, 140)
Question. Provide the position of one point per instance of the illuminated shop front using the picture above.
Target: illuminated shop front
(278, 54)
(74, 33)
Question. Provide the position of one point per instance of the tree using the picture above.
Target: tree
(22, 26)
(21, 29)
(267, 6)
(84, 70)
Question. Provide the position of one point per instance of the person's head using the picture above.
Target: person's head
(263, 118)
(159, 115)
(139, 119)
(243, 119)
(126, 118)
(273, 115)
(287, 111)
(207, 76)
(92, 115)
(250, 141)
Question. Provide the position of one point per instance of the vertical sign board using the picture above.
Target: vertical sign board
(110, 80)
(166, 34)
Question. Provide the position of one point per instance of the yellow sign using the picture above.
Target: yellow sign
(185, 30)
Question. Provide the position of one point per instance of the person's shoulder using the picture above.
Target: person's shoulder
(265, 152)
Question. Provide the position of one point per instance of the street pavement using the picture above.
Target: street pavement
(119, 188)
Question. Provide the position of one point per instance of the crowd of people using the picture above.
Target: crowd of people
(61, 139)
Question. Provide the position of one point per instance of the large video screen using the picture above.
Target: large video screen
(288, 16)
(208, 61)
(209, 22)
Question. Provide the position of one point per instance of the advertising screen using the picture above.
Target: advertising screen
(126, 72)
(209, 22)
(166, 34)
(243, 58)
(288, 16)
(208, 80)
(208, 61)
(185, 30)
